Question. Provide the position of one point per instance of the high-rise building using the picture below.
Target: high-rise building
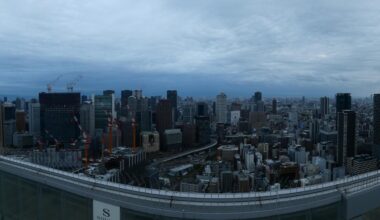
(324, 106)
(202, 109)
(258, 97)
(188, 135)
(221, 108)
(125, 94)
(343, 102)
(376, 119)
(314, 131)
(274, 106)
(346, 135)
(171, 95)
(144, 120)
(108, 92)
(34, 119)
(188, 113)
(20, 121)
(87, 118)
(138, 93)
(104, 107)
(163, 116)
(203, 130)
(57, 116)
(258, 106)
(7, 124)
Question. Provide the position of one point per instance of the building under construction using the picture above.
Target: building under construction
(64, 159)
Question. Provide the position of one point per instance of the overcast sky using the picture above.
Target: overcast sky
(283, 48)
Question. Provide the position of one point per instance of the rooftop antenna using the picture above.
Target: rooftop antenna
(50, 85)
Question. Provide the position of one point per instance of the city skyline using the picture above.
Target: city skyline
(201, 48)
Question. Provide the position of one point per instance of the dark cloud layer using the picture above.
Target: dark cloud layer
(284, 48)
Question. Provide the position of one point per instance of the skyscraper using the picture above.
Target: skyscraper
(7, 124)
(203, 130)
(346, 135)
(20, 121)
(202, 109)
(104, 107)
(34, 119)
(343, 102)
(57, 116)
(314, 131)
(171, 95)
(274, 106)
(376, 119)
(108, 92)
(125, 94)
(324, 106)
(221, 108)
(188, 113)
(258, 96)
(163, 116)
(87, 118)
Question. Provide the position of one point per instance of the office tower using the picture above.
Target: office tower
(235, 106)
(258, 96)
(130, 131)
(188, 113)
(152, 103)
(125, 94)
(20, 121)
(376, 119)
(104, 107)
(57, 116)
(188, 135)
(171, 95)
(346, 136)
(132, 107)
(7, 124)
(87, 118)
(163, 116)
(202, 109)
(84, 98)
(20, 103)
(142, 104)
(203, 130)
(221, 108)
(314, 131)
(274, 106)
(34, 119)
(138, 94)
(108, 92)
(324, 106)
(343, 102)
(144, 120)
(259, 106)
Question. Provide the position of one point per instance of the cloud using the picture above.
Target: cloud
(245, 45)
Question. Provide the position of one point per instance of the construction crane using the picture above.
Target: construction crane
(50, 85)
(86, 139)
(52, 137)
(70, 85)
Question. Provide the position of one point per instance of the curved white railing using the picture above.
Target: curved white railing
(348, 184)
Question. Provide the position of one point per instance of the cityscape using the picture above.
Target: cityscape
(174, 143)
(194, 110)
